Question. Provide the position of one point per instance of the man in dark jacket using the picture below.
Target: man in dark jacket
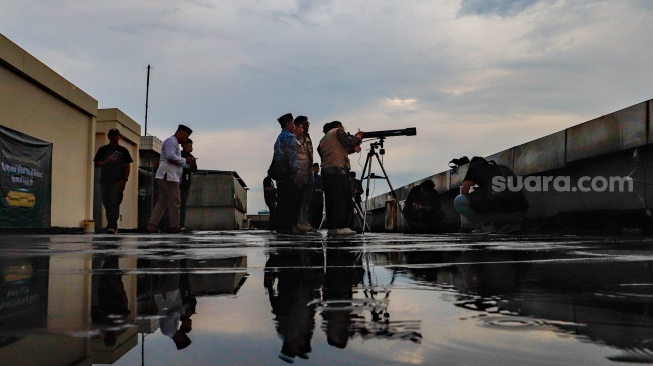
(270, 196)
(334, 150)
(485, 207)
(114, 161)
(316, 208)
(186, 179)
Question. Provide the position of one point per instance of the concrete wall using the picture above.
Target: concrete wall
(131, 136)
(602, 147)
(37, 101)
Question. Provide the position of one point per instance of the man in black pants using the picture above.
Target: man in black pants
(317, 201)
(290, 188)
(334, 149)
(270, 196)
(356, 223)
(114, 161)
(186, 179)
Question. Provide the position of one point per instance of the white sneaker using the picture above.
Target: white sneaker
(485, 229)
(345, 231)
(510, 229)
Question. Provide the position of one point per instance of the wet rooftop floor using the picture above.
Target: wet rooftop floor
(257, 298)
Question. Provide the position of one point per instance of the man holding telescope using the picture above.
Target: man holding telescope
(334, 150)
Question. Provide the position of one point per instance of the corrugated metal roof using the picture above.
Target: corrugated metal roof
(225, 172)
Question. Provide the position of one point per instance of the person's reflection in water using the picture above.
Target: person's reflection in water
(343, 271)
(112, 306)
(175, 321)
(186, 322)
(292, 280)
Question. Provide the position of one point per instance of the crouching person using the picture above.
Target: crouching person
(423, 208)
(487, 207)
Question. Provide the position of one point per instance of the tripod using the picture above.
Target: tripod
(368, 168)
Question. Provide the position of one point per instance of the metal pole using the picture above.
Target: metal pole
(149, 161)
(142, 349)
(147, 95)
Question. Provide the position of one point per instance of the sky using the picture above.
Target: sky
(475, 77)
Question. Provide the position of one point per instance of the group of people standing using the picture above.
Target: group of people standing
(301, 194)
(173, 178)
(299, 186)
(296, 202)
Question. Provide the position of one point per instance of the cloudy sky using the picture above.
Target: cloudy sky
(474, 76)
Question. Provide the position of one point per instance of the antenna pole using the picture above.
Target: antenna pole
(147, 95)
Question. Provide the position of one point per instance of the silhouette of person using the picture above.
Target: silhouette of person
(114, 161)
(290, 290)
(343, 271)
(112, 305)
(270, 196)
(186, 179)
(169, 304)
(423, 208)
(316, 208)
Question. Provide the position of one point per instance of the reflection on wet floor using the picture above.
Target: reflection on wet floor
(374, 298)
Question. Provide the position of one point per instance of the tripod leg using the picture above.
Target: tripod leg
(359, 215)
(323, 217)
(368, 164)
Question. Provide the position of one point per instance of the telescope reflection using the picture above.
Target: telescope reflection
(354, 304)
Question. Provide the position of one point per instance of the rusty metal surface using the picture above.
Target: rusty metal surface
(543, 154)
(617, 131)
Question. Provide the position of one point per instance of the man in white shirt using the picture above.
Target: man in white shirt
(168, 177)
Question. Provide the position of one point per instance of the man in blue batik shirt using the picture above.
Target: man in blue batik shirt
(290, 190)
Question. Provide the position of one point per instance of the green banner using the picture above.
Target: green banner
(25, 180)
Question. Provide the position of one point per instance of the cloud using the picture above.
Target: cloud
(501, 8)
(396, 102)
(463, 72)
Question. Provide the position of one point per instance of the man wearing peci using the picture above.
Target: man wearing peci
(186, 179)
(290, 188)
(305, 156)
(168, 178)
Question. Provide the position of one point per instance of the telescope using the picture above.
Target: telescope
(411, 131)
